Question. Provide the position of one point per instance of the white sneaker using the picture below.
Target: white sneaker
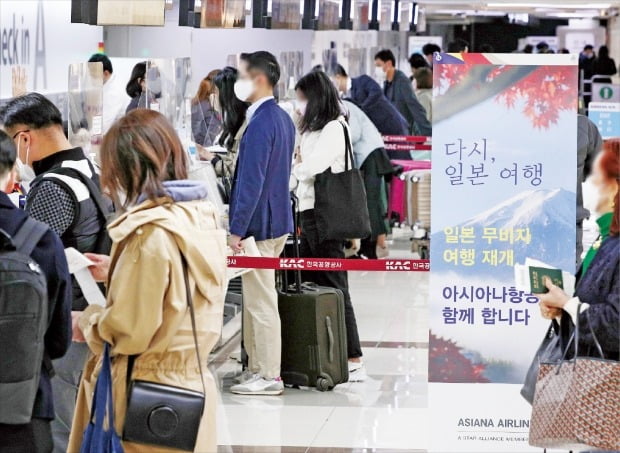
(357, 372)
(243, 377)
(259, 386)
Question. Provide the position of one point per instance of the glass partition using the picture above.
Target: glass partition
(183, 75)
(291, 70)
(85, 107)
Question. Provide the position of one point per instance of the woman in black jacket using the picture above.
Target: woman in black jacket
(603, 65)
(597, 296)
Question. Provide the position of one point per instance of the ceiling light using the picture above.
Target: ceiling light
(580, 15)
(460, 12)
(550, 5)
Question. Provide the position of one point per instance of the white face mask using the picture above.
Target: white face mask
(244, 89)
(26, 173)
(379, 74)
(301, 106)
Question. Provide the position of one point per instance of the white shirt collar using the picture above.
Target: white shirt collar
(254, 107)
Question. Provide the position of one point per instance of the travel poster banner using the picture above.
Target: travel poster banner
(503, 189)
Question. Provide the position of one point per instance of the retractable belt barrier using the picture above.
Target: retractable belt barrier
(403, 143)
(407, 143)
(328, 264)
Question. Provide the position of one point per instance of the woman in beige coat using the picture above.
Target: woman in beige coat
(146, 312)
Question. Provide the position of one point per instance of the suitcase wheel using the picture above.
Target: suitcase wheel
(424, 253)
(324, 383)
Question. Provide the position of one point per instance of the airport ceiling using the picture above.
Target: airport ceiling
(566, 9)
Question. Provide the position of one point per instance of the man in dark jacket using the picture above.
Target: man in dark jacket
(36, 436)
(65, 204)
(367, 94)
(397, 88)
(260, 207)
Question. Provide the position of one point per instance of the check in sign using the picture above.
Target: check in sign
(606, 116)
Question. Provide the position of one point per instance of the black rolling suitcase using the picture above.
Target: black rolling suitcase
(314, 338)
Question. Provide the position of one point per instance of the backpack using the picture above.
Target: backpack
(23, 322)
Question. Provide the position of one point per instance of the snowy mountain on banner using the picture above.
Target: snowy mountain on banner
(550, 216)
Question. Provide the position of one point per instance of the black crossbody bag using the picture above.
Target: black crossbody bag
(163, 415)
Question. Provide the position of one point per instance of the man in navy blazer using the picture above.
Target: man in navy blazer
(260, 206)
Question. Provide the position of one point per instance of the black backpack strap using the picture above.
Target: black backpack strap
(93, 190)
(25, 240)
(29, 235)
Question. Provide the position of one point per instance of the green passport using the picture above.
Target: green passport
(536, 279)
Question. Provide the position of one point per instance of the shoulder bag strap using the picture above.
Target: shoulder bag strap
(25, 241)
(348, 152)
(29, 235)
(93, 190)
(190, 304)
(594, 338)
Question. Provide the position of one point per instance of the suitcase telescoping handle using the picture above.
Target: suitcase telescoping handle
(297, 272)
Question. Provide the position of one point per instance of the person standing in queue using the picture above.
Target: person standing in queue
(322, 127)
(59, 198)
(168, 230)
(206, 112)
(260, 207)
(233, 127)
(373, 160)
(397, 88)
(48, 253)
(136, 88)
(596, 301)
(367, 94)
(429, 51)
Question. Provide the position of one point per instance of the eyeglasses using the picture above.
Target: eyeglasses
(19, 132)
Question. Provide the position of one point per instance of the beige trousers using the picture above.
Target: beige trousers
(261, 320)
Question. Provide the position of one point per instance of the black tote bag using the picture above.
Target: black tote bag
(550, 350)
(340, 205)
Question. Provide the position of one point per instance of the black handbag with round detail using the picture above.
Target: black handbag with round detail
(164, 415)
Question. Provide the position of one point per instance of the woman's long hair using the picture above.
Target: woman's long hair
(206, 87)
(139, 152)
(610, 164)
(603, 53)
(233, 110)
(323, 101)
(138, 74)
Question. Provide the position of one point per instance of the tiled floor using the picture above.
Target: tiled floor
(384, 414)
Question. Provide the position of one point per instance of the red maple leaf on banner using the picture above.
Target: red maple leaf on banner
(545, 92)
